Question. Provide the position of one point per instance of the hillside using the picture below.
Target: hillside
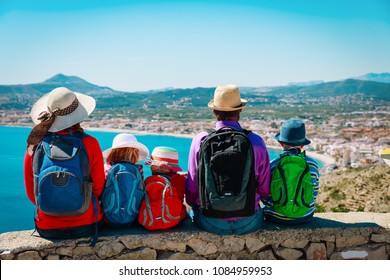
(23, 96)
(363, 189)
(375, 77)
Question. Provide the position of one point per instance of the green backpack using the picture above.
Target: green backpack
(291, 186)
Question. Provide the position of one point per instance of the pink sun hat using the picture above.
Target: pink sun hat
(166, 157)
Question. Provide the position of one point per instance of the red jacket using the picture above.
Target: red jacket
(44, 221)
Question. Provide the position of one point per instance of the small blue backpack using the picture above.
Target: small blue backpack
(62, 181)
(122, 195)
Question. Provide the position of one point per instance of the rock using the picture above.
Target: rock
(108, 249)
(202, 247)
(83, 250)
(131, 242)
(165, 245)
(88, 257)
(143, 254)
(65, 251)
(380, 238)
(243, 255)
(45, 252)
(222, 256)
(29, 255)
(175, 246)
(290, 243)
(53, 257)
(350, 241)
(316, 251)
(377, 253)
(19, 241)
(289, 254)
(232, 244)
(266, 255)
(184, 256)
(6, 255)
(254, 244)
(329, 248)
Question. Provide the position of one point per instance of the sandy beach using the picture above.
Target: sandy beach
(137, 132)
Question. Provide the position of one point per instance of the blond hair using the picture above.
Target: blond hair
(123, 154)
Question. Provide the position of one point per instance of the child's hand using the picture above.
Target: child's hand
(141, 170)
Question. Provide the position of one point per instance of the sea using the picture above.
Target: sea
(17, 212)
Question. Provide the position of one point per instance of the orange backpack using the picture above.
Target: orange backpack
(162, 206)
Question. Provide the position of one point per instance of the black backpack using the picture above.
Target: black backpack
(226, 175)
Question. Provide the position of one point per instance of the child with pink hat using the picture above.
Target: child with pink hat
(164, 160)
(164, 164)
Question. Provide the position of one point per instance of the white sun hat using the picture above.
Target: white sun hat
(127, 140)
(59, 99)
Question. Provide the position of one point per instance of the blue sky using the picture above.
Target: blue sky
(142, 45)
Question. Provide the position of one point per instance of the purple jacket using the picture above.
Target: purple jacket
(262, 164)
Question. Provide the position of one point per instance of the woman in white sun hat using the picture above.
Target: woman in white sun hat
(56, 136)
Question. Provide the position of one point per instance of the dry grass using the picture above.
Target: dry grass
(356, 190)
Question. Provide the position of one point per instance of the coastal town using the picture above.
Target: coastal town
(336, 142)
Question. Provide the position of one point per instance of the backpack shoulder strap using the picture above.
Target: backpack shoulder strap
(246, 131)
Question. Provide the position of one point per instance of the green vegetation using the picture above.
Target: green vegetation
(340, 208)
(360, 209)
(320, 209)
(337, 195)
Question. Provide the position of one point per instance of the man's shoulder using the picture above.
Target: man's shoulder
(256, 139)
(198, 139)
(201, 134)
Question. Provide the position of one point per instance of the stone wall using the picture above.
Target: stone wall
(329, 236)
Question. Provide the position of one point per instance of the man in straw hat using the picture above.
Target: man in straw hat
(227, 106)
(59, 149)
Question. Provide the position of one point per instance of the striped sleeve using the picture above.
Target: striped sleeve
(315, 176)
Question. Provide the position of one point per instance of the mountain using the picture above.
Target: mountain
(370, 89)
(375, 77)
(309, 83)
(63, 79)
(23, 96)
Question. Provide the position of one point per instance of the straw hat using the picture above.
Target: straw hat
(293, 133)
(166, 157)
(59, 99)
(127, 140)
(227, 98)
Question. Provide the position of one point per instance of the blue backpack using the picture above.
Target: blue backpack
(122, 195)
(62, 181)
